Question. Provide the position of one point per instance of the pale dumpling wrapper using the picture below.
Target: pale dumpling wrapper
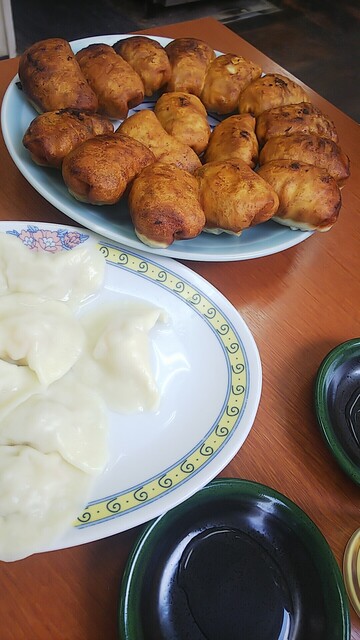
(17, 384)
(66, 275)
(41, 495)
(67, 418)
(41, 334)
(117, 358)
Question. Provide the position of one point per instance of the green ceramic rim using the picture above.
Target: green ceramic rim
(335, 358)
(129, 618)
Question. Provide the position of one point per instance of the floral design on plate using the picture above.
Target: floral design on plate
(49, 240)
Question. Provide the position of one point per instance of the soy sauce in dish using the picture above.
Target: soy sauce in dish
(247, 576)
(233, 588)
(344, 406)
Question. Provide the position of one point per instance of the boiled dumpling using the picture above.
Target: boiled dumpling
(40, 497)
(67, 418)
(118, 361)
(42, 334)
(17, 384)
(66, 275)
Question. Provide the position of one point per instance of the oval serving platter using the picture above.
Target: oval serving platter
(237, 560)
(114, 221)
(208, 371)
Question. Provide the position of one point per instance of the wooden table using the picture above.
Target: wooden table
(298, 304)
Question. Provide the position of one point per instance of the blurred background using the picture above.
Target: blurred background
(316, 40)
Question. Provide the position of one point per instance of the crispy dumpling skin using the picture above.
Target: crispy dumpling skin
(145, 127)
(189, 60)
(285, 120)
(311, 149)
(51, 78)
(227, 76)
(184, 116)
(53, 134)
(272, 90)
(148, 58)
(164, 205)
(100, 169)
(234, 197)
(117, 86)
(234, 138)
(309, 198)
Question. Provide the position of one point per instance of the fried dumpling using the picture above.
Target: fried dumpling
(285, 120)
(309, 198)
(145, 127)
(311, 149)
(189, 60)
(184, 116)
(234, 197)
(270, 91)
(51, 78)
(164, 205)
(234, 138)
(99, 170)
(227, 76)
(52, 135)
(148, 58)
(117, 86)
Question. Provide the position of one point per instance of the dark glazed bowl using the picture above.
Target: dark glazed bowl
(337, 405)
(237, 559)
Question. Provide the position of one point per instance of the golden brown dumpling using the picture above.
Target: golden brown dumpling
(148, 58)
(309, 198)
(285, 120)
(184, 116)
(99, 170)
(310, 149)
(145, 127)
(227, 76)
(189, 60)
(52, 135)
(234, 197)
(116, 84)
(164, 205)
(270, 91)
(234, 138)
(51, 78)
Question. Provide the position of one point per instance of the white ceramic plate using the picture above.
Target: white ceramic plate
(208, 371)
(114, 221)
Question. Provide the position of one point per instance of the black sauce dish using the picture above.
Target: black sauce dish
(337, 405)
(236, 560)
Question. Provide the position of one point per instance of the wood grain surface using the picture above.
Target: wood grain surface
(298, 305)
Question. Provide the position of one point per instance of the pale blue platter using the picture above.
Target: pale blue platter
(114, 221)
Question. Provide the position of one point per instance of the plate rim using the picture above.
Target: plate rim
(292, 237)
(136, 563)
(194, 481)
(337, 355)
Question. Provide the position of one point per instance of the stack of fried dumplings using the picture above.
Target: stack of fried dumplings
(272, 155)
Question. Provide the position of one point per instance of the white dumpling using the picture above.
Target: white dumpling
(40, 497)
(118, 361)
(71, 275)
(67, 418)
(17, 384)
(42, 334)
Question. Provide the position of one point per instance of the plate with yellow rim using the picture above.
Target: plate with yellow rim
(113, 221)
(208, 371)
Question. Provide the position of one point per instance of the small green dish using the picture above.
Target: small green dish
(237, 559)
(337, 405)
